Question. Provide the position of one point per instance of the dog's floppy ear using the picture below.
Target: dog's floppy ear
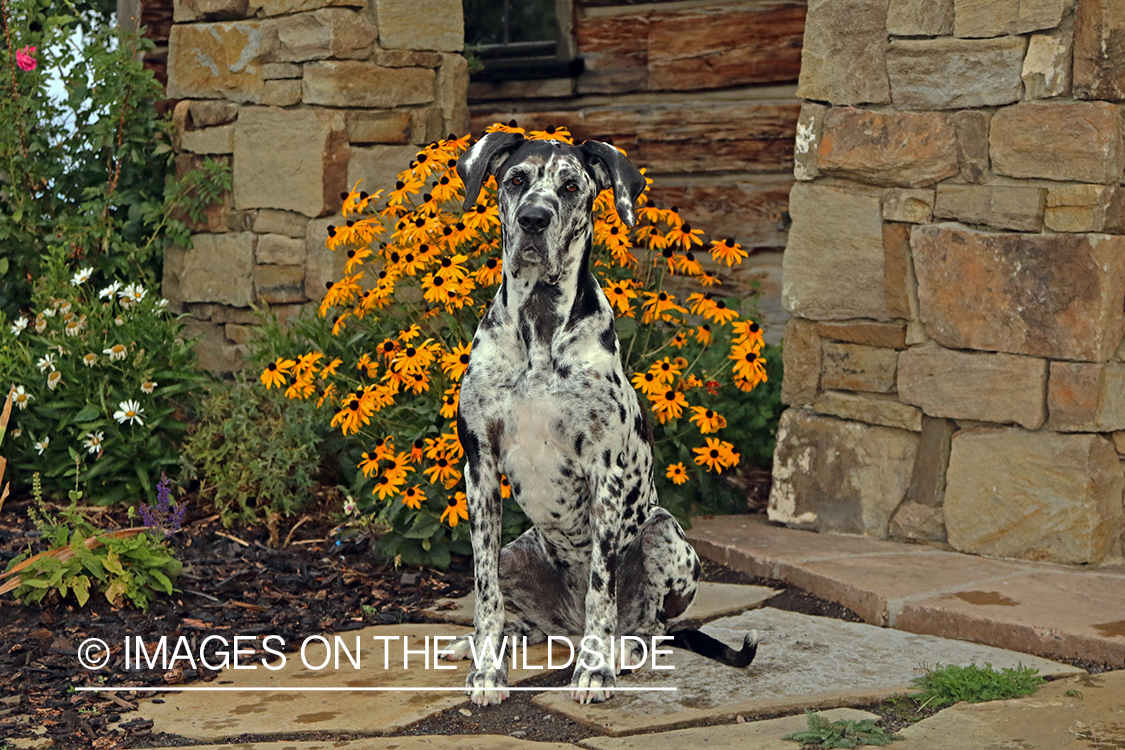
(482, 159)
(613, 170)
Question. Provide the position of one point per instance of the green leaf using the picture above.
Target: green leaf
(88, 413)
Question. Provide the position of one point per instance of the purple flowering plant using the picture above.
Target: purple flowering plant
(165, 515)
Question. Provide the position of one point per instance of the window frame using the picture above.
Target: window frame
(521, 61)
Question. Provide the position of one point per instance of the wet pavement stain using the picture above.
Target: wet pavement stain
(317, 717)
(985, 598)
(1111, 629)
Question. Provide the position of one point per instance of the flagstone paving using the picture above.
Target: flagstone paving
(1053, 610)
(711, 601)
(430, 742)
(1086, 712)
(803, 662)
(753, 735)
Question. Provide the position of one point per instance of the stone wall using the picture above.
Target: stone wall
(302, 98)
(703, 94)
(956, 269)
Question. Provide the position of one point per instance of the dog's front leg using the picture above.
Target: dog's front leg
(487, 681)
(594, 673)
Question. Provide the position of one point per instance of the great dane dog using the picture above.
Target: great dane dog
(545, 401)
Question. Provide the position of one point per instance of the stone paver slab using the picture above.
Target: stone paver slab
(803, 662)
(753, 735)
(873, 586)
(711, 601)
(1049, 720)
(215, 716)
(1079, 614)
(428, 742)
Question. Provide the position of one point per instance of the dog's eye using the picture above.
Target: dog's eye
(517, 181)
(572, 187)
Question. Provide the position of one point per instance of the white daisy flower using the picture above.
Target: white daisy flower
(74, 326)
(162, 304)
(41, 445)
(148, 386)
(93, 441)
(40, 323)
(46, 362)
(128, 411)
(81, 277)
(119, 320)
(22, 398)
(16, 433)
(48, 313)
(63, 308)
(90, 359)
(116, 352)
(133, 292)
(110, 291)
(54, 379)
(19, 326)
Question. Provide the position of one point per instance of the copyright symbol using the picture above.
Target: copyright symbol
(93, 653)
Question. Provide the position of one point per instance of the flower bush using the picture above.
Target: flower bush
(393, 337)
(101, 379)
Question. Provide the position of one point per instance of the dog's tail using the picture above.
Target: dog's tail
(713, 648)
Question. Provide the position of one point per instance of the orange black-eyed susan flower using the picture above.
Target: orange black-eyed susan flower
(666, 369)
(659, 305)
(679, 340)
(677, 473)
(275, 372)
(668, 403)
(703, 334)
(747, 363)
(442, 472)
(456, 509)
(352, 415)
(716, 455)
(720, 313)
(707, 420)
(647, 383)
(505, 487)
(619, 294)
(412, 498)
(456, 361)
(749, 333)
(728, 251)
(388, 485)
(491, 272)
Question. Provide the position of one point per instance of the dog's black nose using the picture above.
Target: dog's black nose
(534, 219)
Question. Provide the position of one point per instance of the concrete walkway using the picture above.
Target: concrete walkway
(949, 609)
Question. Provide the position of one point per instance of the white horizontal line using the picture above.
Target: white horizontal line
(284, 689)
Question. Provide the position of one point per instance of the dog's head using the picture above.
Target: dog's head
(546, 195)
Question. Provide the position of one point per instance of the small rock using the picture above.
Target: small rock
(464, 712)
(739, 719)
(409, 579)
(519, 733)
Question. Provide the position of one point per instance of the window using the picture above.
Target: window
(520, 39)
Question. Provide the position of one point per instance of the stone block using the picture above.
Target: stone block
(209, 10)
(329, 32)
(283, 92)
(278, 285)
(421, 24)
(378, 127)
(290, 159)
(1000, 206)
(264, 8)
(801, 363)
(916, 522)
(218, 140)
(172, 272)
(1079, 141)
(405, 58)
(217, 269)
(288, 223)
(843, 56)
(452, 89)
(240, 334)
(1048, 295)
(277, 249)
(217, 217)
(1119, 441)
(907, 205)
(213, 352)
(920, 17)
(321, 264)
(836, 475)
(998, 388)
(280, 71)
(209, 114)
(217, 61)
(886, 335)
(989, 18)
(899, 288)
(927, 480)
(853, 367)
(379, 166)
(1080, 208)
(872, 408)
(810, 127)
(363, 85)
(955, 73)
(1099, 62)
(1036, 496)
(972, 144)
(895, 149)
(833, 267)
(1086, 397)
(1046, 68)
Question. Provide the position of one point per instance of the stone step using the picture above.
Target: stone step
(1053, 610)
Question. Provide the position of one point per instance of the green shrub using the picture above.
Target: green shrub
(822, 733)
(951, 684)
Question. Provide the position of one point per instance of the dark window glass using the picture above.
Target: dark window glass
(489, 22)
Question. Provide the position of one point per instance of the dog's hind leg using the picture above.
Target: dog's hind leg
(658, 577)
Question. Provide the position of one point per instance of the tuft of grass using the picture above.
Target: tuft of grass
(844, 733)
(951, 684)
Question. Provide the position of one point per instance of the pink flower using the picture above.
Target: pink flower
(25, 58)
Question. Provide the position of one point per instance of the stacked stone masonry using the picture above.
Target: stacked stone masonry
(302, 99)
(956, 271)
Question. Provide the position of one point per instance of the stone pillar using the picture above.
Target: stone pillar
(956, 269)
(302, 98)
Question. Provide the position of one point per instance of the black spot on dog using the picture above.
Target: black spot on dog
(608, 339)
(578, 443)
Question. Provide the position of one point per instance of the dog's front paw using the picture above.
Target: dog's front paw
(487, 687)
(459, 649)
(592, 685)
